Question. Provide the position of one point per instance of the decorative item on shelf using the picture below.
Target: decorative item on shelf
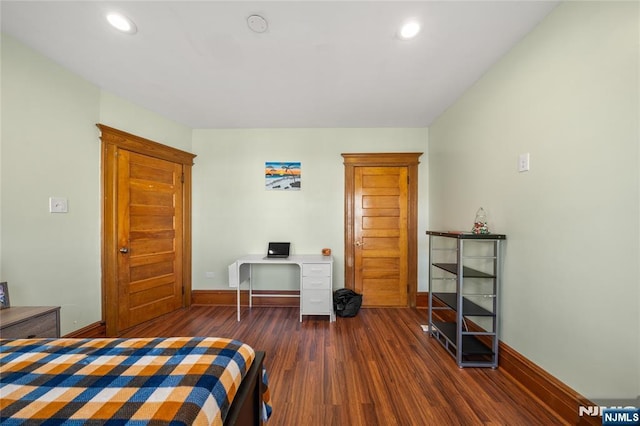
(480, 223)
(326, 252)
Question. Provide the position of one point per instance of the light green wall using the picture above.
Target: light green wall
(234, 214)
(568, 95)
(50, 147)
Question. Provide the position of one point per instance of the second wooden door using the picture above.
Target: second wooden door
(380, 227)
(381, 235)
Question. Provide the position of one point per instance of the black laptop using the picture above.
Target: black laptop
(278, 250)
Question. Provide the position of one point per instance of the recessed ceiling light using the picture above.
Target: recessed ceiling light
(409, 30)
(122, 23)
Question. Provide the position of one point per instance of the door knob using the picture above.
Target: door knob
(358, 243)
(124, 250)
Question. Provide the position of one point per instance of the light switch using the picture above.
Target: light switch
(58, 205)
(523, 162)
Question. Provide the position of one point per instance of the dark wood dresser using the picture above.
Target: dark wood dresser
(28, 322)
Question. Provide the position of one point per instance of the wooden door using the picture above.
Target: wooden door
(146, 255)
(380, 232)
(381, 227)
(150, 238)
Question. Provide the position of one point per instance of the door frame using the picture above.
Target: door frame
(112, 141)
(410, 160)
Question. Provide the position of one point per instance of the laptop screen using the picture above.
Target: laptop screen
(278, 250)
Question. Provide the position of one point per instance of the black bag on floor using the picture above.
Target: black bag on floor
(346, 302)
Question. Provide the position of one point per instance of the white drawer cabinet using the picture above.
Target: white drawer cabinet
(316, 291)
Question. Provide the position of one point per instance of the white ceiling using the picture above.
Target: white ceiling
(319, 64)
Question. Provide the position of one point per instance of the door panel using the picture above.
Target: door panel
(149, 196)
(380, 233)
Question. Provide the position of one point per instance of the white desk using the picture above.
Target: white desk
(316, 279)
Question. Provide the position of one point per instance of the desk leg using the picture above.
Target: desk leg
(301, 290)
(250, 286)
(238, 291)
(240, 281)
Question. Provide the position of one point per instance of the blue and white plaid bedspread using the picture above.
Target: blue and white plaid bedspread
(178, 380)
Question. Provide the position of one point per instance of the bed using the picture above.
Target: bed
(178, 380)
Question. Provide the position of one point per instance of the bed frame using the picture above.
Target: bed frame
(246, 409)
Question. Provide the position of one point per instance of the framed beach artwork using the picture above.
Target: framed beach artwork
(282, 175)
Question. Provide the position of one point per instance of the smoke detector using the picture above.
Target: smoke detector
(257, 23)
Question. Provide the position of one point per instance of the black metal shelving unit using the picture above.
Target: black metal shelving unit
(465, 322)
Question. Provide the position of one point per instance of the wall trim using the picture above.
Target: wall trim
(556, 395)
(228, 298)
(97, 329)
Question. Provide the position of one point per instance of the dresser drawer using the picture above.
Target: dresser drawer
(316, 270)
(316, 302)
(318, 283)
(35, 326)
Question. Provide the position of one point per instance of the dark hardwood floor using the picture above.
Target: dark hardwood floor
(378, 368)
